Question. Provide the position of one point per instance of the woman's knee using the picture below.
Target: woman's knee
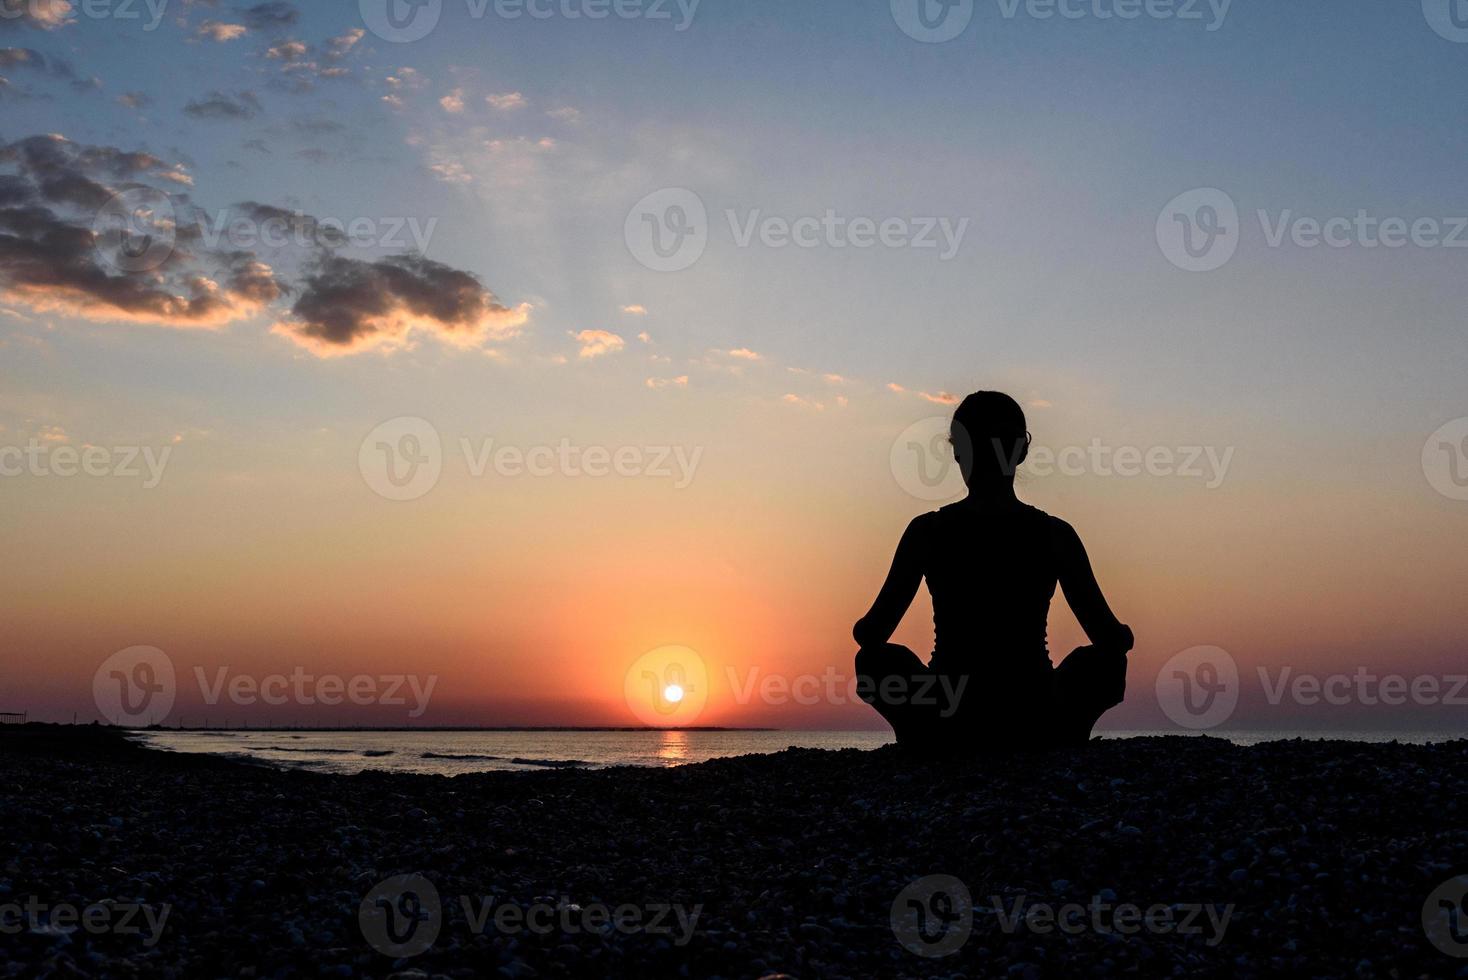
(874, 665)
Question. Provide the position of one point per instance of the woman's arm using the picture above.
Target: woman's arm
(906, 574)
(1084, 593)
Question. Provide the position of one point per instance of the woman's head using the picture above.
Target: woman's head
(989, 437)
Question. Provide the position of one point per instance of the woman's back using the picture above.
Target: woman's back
(991, 571)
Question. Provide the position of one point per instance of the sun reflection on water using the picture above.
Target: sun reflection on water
(673, 749)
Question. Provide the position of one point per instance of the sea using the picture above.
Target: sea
(455, 752)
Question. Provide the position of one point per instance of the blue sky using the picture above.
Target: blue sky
(522, 145)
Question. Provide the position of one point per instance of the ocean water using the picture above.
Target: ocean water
(451, 753)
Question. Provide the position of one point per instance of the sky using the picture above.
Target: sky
(522, 351)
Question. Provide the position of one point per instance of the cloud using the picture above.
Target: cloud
(287, 51)
(134, 100)
(894, 386)
(941, 398)
(348, 305)
(453, 102)
(59, 255)
(565, 113)
(834, 379)
(218, 105)
(799, 402)
(451, 172)
(679, 382)
(340, 46)
(744, 354)
(595, 343)
(56, 258)
(273, 15)
(506, 101)
(635, 309)
(46, 15)
(215, 30)
(303, 65)
(645, 337)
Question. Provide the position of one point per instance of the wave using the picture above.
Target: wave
(552, 763)
(284, 748)
(451, 755)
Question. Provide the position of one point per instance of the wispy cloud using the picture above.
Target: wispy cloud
(506, 101)
(595, 343)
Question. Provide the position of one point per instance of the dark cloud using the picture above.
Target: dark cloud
(75, 220)
(273, 15)
(58, 254)
(218, 105)
(348, 305)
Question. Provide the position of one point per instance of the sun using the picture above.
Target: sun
(673, 693)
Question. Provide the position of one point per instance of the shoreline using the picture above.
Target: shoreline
(1315, 857)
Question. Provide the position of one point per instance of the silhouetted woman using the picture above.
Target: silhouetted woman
(991, 564)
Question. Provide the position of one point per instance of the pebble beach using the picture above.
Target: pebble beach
(1140, 857)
